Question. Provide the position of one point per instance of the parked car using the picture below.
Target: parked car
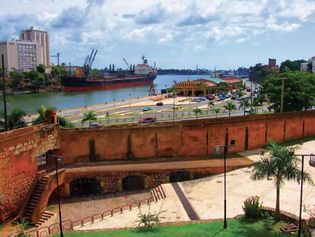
(211, 97)
(146, 109)
(94, 125)
(147, 120)
(159, 104)
(249, 110)
(177, 107)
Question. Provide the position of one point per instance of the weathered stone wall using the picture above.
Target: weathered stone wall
(187, 139)
(18, 167)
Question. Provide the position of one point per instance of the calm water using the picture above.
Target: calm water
(64, 100)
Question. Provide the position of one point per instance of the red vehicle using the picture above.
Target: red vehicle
(147, 120)
(210, 97)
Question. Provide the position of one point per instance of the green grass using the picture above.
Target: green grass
(236, 228)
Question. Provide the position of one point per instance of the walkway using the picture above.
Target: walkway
(188, 208)
(161, 165)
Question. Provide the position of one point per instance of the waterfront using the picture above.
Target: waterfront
(66, 100)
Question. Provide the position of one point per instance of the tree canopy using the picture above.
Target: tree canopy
(289, 65)
(299, 90)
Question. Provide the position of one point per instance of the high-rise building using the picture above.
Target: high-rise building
(21, 55)
(41, 37)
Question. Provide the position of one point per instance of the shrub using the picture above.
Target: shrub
(252, 207)
(267, 219)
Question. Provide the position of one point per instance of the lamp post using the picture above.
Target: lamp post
(60, 160)
(301, 187)
(225, 147)
(282, 94)
(4, 97)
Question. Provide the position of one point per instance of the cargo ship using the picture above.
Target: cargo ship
(135, 75)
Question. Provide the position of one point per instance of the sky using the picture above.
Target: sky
(225, 34)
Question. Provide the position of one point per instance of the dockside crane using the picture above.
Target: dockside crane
(89, 62)
(56, 56)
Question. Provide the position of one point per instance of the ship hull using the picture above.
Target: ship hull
(72, 84)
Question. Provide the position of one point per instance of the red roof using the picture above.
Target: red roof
(207, 82)
(231, 80)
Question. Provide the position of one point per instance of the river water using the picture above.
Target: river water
(65, 100)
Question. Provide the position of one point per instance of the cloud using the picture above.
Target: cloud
(152, 15)
(70, 18)
(193, 20)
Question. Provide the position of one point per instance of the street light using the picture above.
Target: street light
(301, 191)
(58, 159)
(282, 94)
(217, 150)
(4, 96)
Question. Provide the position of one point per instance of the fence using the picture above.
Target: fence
(68, 225)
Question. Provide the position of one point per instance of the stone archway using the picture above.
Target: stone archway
(132, 182)
(178, 176)
(85, 186)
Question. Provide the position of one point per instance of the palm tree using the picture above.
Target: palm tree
(64, 123)
(216, 111)
(210, 104)
(16, 119)
(244, 104)
(281, 165)
(89, 116)
(230, 106)
(197, 111)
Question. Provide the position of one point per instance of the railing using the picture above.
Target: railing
(71, 225)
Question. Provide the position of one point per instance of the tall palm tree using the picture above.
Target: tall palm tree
(216, 111)
(244, 104)
(89, 116)
(281, 165)
(197, 111)
(16, 119)
(230, 106)
(65, 123)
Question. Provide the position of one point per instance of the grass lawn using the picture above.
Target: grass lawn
(236, 228)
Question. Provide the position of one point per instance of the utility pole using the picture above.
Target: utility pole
(282, 94)
(4, 97)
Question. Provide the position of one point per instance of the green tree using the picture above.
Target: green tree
(17, 80)
(299, 90)
(281, 165)
(40, 68)
(210, 104)
(64, 123)
(95, 72)
(222, 87)
(256, 103)
(36, 79)
(289, 65)
(89, 116)
(244, 104)
(216, 111)
(57, 71)
(230, 106)
(197, 111)
(15, 119)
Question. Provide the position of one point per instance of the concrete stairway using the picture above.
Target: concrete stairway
(157, 193)
(36, 195)
(46, 216)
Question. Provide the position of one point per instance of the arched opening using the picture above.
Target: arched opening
(178, 176)
(85, 186)
(132, 182)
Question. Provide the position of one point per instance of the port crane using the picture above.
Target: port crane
(56, 56)
(89, 61)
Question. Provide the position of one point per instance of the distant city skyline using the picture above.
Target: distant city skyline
(225, 34)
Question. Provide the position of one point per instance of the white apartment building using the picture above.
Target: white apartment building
(21, 55)
(42, 38)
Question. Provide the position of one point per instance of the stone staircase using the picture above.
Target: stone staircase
(45, 217)
(157, 193)
(36, 195)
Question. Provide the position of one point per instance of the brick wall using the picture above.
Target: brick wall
(18, 167)
(185, 139)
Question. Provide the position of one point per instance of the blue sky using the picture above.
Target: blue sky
(174, 33)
